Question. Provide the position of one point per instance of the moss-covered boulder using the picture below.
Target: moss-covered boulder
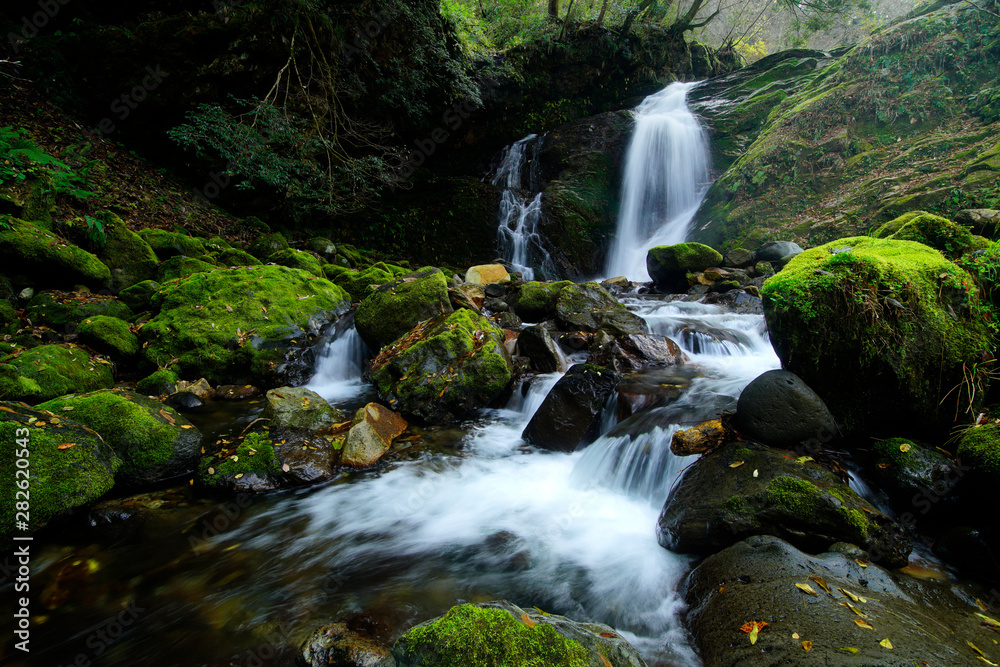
(298, 259)
(126, 254)
(235, 257)
(668, 265)
(298, 407)
(154, 442)
(496, 634)
(906, 470)
(395, 308)
(171, 244)
(47, 371)
(248, 466)
(162, 382)
(535, 301)
(235, 323)
(264, 246)
(717, 504)
(33, 256)
(65, 310)
(70, 466)
(939, 233)
(590, 307)
(139, 297)
(359, 283)
(444, 368)
(109, 335)
(182, 267)
(980, 448)
(879, 329)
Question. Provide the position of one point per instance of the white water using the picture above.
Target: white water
(666, 177)
(340, 365)
(520, 210)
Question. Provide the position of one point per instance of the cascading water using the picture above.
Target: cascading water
(341, 364)
(520, 210)
(666, 177)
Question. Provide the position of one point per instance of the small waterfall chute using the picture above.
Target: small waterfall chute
(666, 177)
(521, 208)
(341, 364)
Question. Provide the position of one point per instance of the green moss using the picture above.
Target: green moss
(254, 455)
(31, 255)
(159, 383)
(469, 635)
(298, 259)
(60, 479)
(143, 432)
(170, 244)
(61, 309)
(182, 267)
(268, 244)
(980, 447)
(139, 297)
(856, 519)
(795, 495)
(358, 283)
(109, 335)
(217, 244)
(395, 308)
(889, 451)
(236, 257)
(939, 233)
(127, 255)
(229, 323)
(535, 301)
(48, 371)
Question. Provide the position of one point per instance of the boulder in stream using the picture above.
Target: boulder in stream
(372, 432)
(632, 352)
(590, 307)
(536, 344)
(668, 265)
(492, 634)
(780, 410)
(395, 308)
(337, 645)
(742, 489)
(570, 415)
(298, 407)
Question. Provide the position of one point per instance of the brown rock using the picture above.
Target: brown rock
(484, 274)
(699, 439)
(372, 432)
(201, 389)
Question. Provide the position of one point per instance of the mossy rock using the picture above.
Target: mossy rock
(395, 308)
(590, 307)
(236, 257)
(171, 244)
(716, 505)
(536, 301)
(939, 233)
(333, 271)
(162, 382)
(980, 448)
(668, 265)
(182, 267)
(298, 407)
(9, 321)
(60, 480)
(63, 311)
(47, 371)
(154, 442)
(33, 256)
(109, 335)
(139, 297)
(128, 256)
(252, 466)
(879, 329)
(264, 246)
(351, 254)
(358, 283)
(236, 323)
(907, 469)
(496, 634)
(445, 368)
(298, 259)
(323, 247)
(217, 244)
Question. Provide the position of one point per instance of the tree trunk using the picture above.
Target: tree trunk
(600, 17)
(634, 14)
(554, 8)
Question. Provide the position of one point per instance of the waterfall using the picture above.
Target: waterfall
(520, 210)
(341, 364)
(666, 177)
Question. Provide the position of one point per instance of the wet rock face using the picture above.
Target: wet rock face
(780, 410)
(536, 344)
(336, 644)
(633, 352)
(755, 580)
(375, 427)
(741, 490)
(570, 415)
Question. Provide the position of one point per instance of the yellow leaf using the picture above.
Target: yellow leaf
(905, 447)
(974, 648)
(795, 635)
(860, 562)
(186, 426)
(822, 583)
(885, 643)
(527, 621)
(240, 476)
(854, 598)
(211, 471)
(606, 662)
(753, 634)
(806, 588)
(543, 613)
(849, 649)
(989, 621)
(981, 605)
(863, 624)
(979, 657)
(803, 459)
(755, 473)
(807, 645)
(736, 464)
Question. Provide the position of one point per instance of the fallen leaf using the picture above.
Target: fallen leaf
(855, 609)
(753, 628)
(527, 621)
(885, 643)
(66, 445)
(755, 473)
(822, 583)
(806, 588)
(736, 464)
(849, 649)
(981, 605)
(603, 659)
(186, 426)
(609, 635)
(211, 471)
(722, 588)
(883, 466)
(863, 624)
(905, 447)
(807, 645)
(55, 420)
(982, 659)
(795, 635)
(974, 648)
(854, 598)
(860, 562)
(803, 459)
(989, 621)
(67, 408)
(229, 309)
(543, 613)
(285, 467)
(239, 476)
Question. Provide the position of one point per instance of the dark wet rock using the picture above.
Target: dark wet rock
(738, 301)
(336, 645)
(983, 221)
(780, 410)
(495, 290)
(574, 341)
(755, 580)
(185, 400)
(444, 368)
(571, 413)
(702, 437)
(637, 351)
(494, 633)
(304, 456)
(536, 344)
(768, 492)
(395, 308)
(299, 407)
(234, 392)
(373, 429)
(778, 251)
(915, 473)
(649, 389)
(590, 307)
(494, 305)
(466, 298)
(739, 258)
